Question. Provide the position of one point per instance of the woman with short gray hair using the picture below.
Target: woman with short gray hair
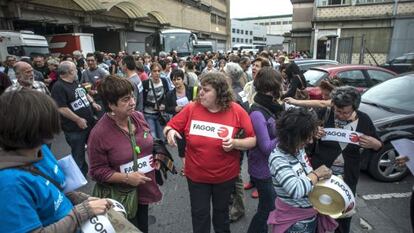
(345, 158)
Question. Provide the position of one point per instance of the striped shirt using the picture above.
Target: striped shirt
(289, 175)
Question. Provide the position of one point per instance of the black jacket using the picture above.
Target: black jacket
(170, 101)
(328, 151)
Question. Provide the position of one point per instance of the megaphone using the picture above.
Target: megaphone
(333, 197)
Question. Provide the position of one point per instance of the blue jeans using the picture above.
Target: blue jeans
(155, 126)
(77, 141)
(267, 197)
(303, 226)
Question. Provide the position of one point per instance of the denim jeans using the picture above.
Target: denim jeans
(155, 126)
(303, 226)
(266, 204)
(202, 196)
(77, 141)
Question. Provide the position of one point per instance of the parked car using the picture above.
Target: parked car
(359, 76)
(306, 64)
(402, 64)
(390, 105)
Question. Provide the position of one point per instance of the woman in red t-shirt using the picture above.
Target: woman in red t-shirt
(215, 129)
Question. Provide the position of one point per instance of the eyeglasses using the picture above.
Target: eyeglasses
(343, 113)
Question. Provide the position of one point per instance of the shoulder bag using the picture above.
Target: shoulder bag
(301, 94)
(127, 195)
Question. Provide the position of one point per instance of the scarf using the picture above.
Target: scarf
(267, 102)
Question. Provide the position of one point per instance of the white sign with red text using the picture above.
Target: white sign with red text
(145, 165)
(341, 135)
(211, 130)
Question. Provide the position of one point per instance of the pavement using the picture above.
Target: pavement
(172, 214)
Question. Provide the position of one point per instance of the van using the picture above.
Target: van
(244, 48)
(202, 47)
(23, 43)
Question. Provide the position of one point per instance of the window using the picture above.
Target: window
(378, 76)
(221, 20)
(233, 30)
(233, 39)
(369, 1)
(353, 78)
(213, 18)
(251, 32)
(242, 31)
(278, 23)
(246, 32)
(251, 41)
(334, 2)
(285, 22)
(241, 40)
(272, 23)
(238, 31)
(237, 40)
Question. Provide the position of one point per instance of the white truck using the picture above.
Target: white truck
(23, 43)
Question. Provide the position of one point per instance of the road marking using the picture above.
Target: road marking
(385, 196)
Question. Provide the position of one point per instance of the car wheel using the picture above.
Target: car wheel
(383, 167)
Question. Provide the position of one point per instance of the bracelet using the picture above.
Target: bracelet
(313, 172)
(168, 130)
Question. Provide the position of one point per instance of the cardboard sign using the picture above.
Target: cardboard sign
(341, 135)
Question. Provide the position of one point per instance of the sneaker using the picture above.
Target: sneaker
(255, 194)
(248, 186)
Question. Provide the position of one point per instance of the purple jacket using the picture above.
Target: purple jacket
(258, 165)
(284, 216)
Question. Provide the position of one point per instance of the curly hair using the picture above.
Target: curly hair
(346, 96)
(294, 128)
(218, 82)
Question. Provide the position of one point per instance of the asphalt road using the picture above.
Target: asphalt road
(381, 207)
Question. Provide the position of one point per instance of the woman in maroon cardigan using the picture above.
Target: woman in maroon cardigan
(110, 151)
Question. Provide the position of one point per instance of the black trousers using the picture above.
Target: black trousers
(200, 196)
(141, 218)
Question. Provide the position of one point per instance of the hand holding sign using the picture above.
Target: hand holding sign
(137, 178)
(369, 142)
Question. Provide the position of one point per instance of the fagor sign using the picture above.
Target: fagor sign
(341, 135)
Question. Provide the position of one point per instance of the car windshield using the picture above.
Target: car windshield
(314, 77)
(393, 94)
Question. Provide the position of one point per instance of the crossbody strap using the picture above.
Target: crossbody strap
(36, 171)
(155, 95)
(135, 149)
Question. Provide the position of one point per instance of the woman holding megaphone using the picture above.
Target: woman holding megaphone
(293, 177)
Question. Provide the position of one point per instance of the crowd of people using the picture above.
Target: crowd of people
(216, 108)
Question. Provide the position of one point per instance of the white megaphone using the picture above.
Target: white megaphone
(98, 224)
(333, 197)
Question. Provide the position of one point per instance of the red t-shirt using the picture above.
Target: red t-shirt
(205, 159)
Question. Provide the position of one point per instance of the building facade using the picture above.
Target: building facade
(119, 25)
(356, 31)
(275, 24)
(247, 33)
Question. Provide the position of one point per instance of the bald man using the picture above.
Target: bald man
(25, 79)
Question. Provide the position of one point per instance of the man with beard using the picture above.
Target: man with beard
(25, 79)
